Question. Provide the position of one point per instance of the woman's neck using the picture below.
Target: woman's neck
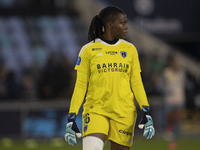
(108, 38)
(110, 42)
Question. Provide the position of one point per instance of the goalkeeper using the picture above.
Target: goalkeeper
(108, 69)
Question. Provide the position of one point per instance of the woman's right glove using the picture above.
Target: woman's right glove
(72, 130)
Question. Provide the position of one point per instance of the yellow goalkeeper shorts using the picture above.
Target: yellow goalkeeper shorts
(118, 132)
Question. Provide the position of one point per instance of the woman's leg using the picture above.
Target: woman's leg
(115, 146)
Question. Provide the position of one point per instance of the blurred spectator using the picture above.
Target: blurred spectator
(152, 66)
(9, 89)
(12, 86)
(157, 64)
(46, 83)
(3, 74)
(28, 86)
(173, 85)
(55, 79)
(27, 43)
(64, 75)
(191, 90)
(146, 73)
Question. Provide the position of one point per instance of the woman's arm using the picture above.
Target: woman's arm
(79, 92)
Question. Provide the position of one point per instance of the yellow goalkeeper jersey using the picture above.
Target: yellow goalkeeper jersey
(110, 68)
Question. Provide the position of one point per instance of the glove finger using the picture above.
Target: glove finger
(146, 133)
(149, 132)
(152, 131)
(67, 136)
(70, 139)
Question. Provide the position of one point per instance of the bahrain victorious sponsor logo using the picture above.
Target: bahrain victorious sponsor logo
(123, 53)
(112, 67)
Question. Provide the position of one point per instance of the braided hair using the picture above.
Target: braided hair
(97, 26)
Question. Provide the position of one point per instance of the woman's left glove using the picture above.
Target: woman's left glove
(72, 130)
(147, 123)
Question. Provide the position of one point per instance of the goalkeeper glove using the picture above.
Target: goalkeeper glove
(147, 123)
(71, 130)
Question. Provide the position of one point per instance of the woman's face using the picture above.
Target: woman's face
(119, 27)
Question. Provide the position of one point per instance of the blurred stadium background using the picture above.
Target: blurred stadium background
(39, 44)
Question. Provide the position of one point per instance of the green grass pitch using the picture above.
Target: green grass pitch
(59, 144)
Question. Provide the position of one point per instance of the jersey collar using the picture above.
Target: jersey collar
(101, 41)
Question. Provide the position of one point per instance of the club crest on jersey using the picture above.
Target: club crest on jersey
(123, 53)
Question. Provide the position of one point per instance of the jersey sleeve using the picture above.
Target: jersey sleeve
(83, 61)
(136, 64)
(82, 67)
(79, 92)
(136, 81)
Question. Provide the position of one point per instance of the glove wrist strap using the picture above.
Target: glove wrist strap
(146, 110)
(71, 117)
